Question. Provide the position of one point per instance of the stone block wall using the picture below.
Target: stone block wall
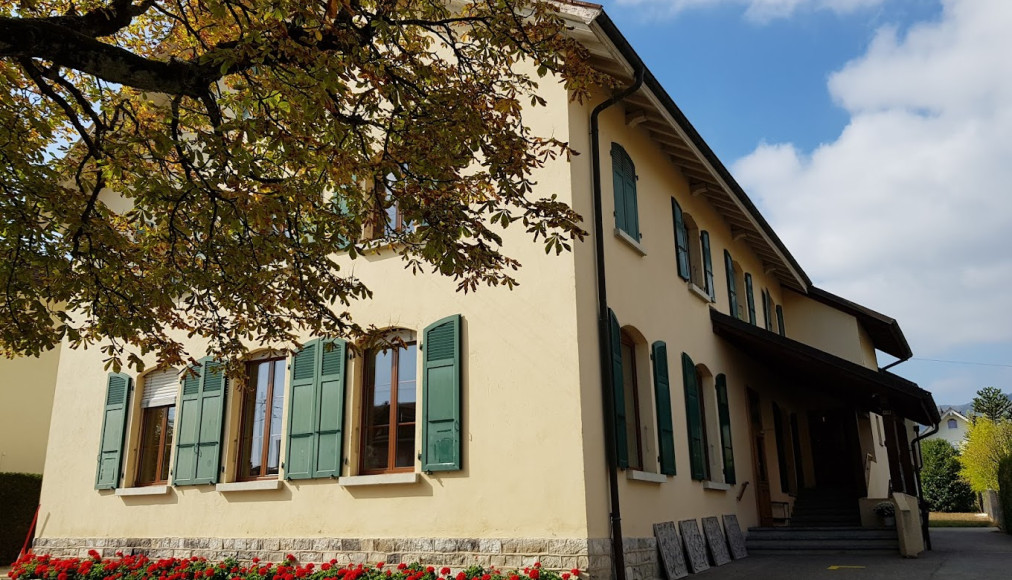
(592, 557)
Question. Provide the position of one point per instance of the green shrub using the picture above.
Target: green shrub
(1005, 491)
(19, 496)
(945, 490)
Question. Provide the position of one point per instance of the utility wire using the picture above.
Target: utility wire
(962, 362)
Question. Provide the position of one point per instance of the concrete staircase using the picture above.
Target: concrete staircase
(814, 540)
(823, 521)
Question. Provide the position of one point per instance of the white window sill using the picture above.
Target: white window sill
(146, 490)
(381, 479)
(634, 244)
(699, 292)
(716, 485)
(260, 485)
(645, 476)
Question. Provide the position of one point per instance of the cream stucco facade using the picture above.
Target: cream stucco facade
(532, 481)
(26, 392)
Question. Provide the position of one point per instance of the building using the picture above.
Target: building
(730, 385)
(952, 427)
(26, 393)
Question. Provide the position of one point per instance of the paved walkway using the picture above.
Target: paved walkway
(959, 554)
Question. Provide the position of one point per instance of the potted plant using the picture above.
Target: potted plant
(886, 511)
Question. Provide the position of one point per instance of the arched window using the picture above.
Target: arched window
(953, 424)
(624, 179)
(389, 396)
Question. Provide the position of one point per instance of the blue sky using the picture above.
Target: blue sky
(875, 136)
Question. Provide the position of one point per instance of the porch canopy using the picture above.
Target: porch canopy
(867, 389)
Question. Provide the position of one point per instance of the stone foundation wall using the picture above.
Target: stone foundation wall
(592, 556)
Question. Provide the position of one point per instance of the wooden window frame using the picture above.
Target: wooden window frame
(248, 399)
(368, 388)
(163, 448)
(627, 341)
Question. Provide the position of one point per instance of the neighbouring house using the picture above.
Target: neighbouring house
(952, 427)
(26, 403)
(733, 384)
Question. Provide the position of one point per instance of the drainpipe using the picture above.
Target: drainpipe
(604, 335)
(916, 443)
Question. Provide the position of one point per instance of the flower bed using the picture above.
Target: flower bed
(44, 567)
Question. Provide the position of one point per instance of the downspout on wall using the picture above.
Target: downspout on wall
(604, 336)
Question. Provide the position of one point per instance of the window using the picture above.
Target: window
(158, 419)
(156, 440)
(390, 220)
(260, 420)
(952, 424)
(630, 388)
(692, 251)
(389, 398)
(695, 417)
(624, 180)
(750, 297)
(682, 259)
(780, 321)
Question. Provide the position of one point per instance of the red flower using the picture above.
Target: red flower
(534, 574)
(325, 566)
(486, 577)
(430, 569)
(575, 571)
(444, 571)
(537, 564)
(289, 558)
(94, 554)
(389, 573)
(119, 553)
(209, 572)
(565, 576)
(461, 576)
(401, 566)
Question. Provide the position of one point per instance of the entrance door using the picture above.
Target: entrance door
(836, 450)
(762, 487)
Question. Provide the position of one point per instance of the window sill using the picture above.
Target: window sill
(645, 476)
(261, 485)
(381, 479)
(634, 244)
(716, 485)
(145, 490)
(699, 292)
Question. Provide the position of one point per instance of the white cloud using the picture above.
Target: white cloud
(909, 210)
(756, 10)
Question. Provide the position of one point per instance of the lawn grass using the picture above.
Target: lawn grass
(940, 520)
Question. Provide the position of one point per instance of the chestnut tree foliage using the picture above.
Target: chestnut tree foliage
(176, 168)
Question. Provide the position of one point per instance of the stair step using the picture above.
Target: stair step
(792, 534)
(847, 545)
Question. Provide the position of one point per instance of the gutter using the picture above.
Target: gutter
(604, 335)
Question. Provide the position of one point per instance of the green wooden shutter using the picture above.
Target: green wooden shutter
(662, 394)
(624, 181)
(212, 415)
(316, 410)
(732, 294)
(704, 240)
(780, 320)
(750, 297)
(114, 420)
(441, 395)
(188, 422)
(694, 419)
(330, 402)
(302, 412)
(201, 416)
(724, 414)
(766, 310)
(681, 241)
(618, 391)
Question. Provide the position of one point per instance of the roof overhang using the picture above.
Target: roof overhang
(652, 109)
(812, 369)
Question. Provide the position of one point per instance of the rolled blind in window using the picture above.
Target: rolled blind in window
(160, 388)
